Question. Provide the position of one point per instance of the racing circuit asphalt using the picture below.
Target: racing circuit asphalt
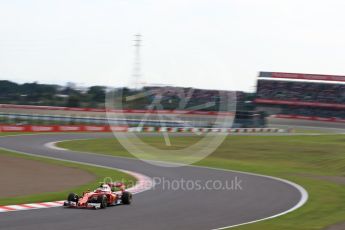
(159, 208)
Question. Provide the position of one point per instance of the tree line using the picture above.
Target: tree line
(51, 95)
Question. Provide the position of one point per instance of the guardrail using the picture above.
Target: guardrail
(133, 111)
(58, 119)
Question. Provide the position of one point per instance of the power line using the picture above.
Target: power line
(137, 61)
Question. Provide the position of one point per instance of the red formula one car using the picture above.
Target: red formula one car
(102, 197)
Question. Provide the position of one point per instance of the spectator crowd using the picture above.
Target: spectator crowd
(301, 91)
(311, 112)
(180, 98)
(304, 92)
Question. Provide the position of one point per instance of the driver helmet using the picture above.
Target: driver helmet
(105, 188)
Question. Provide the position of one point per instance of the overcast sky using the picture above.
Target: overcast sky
(219, 44)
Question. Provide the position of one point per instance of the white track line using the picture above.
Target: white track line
(52, 145)
(302, 191)
(302, 201)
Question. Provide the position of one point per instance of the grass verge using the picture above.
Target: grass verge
(315, 162)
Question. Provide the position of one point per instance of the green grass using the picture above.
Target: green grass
(100, 174)
(311, 131)
(301, 159)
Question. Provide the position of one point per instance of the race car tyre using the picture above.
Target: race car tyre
(126, 198)
(103, 201)
(72, 197)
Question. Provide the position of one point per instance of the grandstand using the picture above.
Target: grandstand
(301, 94)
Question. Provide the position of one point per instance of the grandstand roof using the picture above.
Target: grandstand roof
(302, 76)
